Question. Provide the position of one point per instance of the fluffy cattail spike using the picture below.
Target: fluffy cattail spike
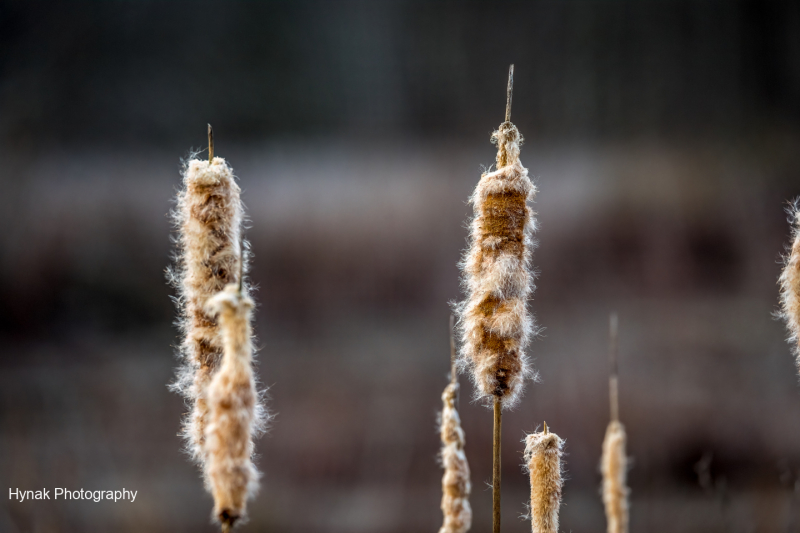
(234, 414)
(494, 321)
(456, 485)
(614, 468)
(208, 217)
(614, 463)
(790, 282)
(543, 458)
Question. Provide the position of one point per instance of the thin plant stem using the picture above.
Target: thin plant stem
(613, 380)
(498, 420)
(452, 351)
(509, 91)
(498, 413)
(210, 144)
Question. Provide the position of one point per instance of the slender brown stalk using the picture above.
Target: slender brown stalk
(210, 144)
(498, 420)
(613, 380)
(453, 363)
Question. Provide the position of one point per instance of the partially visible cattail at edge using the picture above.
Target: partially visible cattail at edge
(790, 282)
(235, 415)
(614, 463)
(543, 458)
(456, 485)
(208, 218)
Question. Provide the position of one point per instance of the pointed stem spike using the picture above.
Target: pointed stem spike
(545, 430)
(452, 350)
(210, 144)
(509, 91)
(613, 379)
(241, 263)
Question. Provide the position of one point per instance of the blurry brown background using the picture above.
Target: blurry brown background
(665, 140)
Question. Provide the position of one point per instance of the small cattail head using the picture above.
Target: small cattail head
(234, 414)
(543, 453)
(456, 486)
(614, 469)
(508, 140)
(790, 282)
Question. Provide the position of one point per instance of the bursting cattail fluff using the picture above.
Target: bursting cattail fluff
(790, 283)
(234, 414)
(614, 469)
(543, 458)
(494, 321)
(456, 485)
(208, 217)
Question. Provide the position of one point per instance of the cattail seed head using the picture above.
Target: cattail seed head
(543, 457)
(208, 217)
(456, 485)
(494, 322)
(614, 469)
(234, 412)
(790, 283)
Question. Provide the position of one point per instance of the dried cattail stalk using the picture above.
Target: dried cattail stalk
(494, 320)
(209, 218)
(614, 468)
(790, 283)
(614, 462)
(234, 411)
(456, 485)
(543, 456)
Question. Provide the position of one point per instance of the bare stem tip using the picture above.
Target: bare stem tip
(452, 350)
(509, 91)
(210, 144)
(545, 430)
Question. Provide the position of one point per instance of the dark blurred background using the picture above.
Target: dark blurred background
(665, 140)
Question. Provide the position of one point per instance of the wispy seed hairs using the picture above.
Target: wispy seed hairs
(543, 458)
(235, 416)
(494, 320)
(456, 485)
(790, 283)
(208, 217)
(614, 468)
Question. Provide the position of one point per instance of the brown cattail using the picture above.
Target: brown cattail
(455, 482)
(494, 320)
(614, 462)
(209, 218)
(790, 283)
(456, 485)
(543, 456)
(614, 468)
(234, 414)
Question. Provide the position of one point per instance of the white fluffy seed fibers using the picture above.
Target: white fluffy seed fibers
(614, 468)
(208, 217)
(494, 321)
(790, 284)
(456, 485)
(543, 457)
(235, 415)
